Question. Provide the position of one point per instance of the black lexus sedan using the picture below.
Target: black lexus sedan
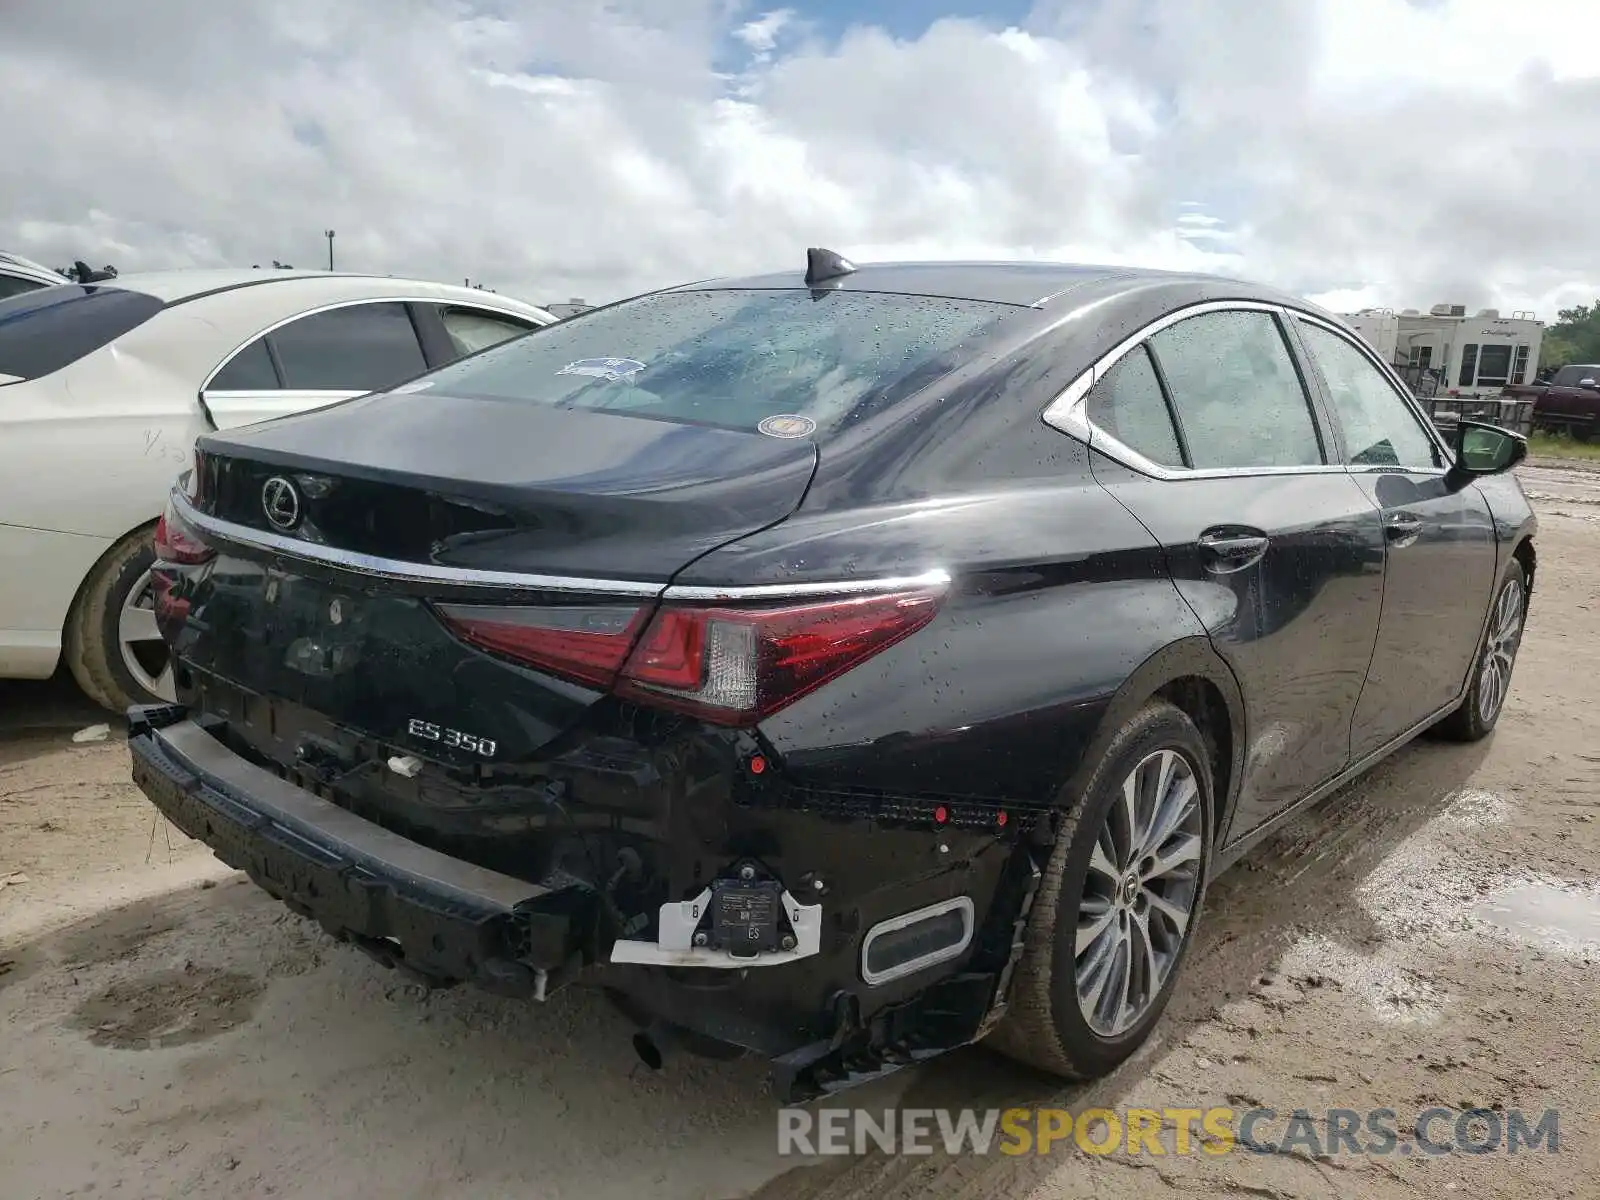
(838, 665)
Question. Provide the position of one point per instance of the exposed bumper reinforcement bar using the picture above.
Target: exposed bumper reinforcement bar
(442, 918)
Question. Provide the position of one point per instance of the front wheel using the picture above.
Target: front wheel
(1118, 903)
(1490, 683)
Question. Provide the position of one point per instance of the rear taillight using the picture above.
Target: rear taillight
(587, 644)
(734, 666)
(727, 665)
(176, 542)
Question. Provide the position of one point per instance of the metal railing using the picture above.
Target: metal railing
(1424, 382)
(1447, 411)
(1508, 413)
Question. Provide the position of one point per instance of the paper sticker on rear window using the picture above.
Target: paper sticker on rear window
(614, 369)
(788, 425)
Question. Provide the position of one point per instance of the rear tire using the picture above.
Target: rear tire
(1490, 683)
(1053, 1021)
(111, 643)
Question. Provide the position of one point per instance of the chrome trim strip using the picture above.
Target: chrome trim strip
(962, 904)
(413, 572)
(843, 587)
(1067, 412)
(409, 572)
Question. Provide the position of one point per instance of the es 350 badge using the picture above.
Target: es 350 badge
(430, 731)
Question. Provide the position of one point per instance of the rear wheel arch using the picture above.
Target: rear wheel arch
(1190, 675)
(142, 529)
(86, 645)
(1525, 554)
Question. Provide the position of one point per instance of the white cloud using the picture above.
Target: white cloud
(761, 34)
(1376, 149)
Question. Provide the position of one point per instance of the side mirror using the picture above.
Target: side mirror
(1483, 449)
(1590, 384)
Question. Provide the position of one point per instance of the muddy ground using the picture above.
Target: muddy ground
(1427, 937)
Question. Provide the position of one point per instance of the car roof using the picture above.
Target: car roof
(26, 268)
(191, 283)
(1023, 283)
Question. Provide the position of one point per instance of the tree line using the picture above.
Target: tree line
(1574, 337)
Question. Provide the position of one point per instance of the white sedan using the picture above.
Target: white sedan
(103, 389)
(18, 275)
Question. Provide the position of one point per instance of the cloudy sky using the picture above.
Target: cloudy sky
(1403, 152)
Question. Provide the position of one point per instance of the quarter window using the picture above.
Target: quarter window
(1128, 405)
(472, 330)
(358, 348)
(250, 370)
(1379, 427)
(1238, 397)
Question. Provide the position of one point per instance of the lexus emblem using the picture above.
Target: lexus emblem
(280, 502)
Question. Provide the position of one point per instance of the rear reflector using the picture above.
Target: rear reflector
(727, 665)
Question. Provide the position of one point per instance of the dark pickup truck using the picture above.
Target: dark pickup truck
(1569, 402)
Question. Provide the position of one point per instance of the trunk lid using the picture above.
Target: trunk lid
(410, 507)
(483, 484)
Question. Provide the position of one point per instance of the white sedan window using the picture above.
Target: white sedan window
(473, 330)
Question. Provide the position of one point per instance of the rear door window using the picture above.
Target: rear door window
(1237, 393)
(52, 327)
(356, 348)
(734, 358)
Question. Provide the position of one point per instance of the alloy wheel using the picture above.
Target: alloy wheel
(1139, 893)
(1500, 650)
(144, 651)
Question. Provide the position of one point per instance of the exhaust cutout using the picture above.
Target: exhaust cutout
(915, 941)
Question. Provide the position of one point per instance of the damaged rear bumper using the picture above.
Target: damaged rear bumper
(440, 918)
(827, 1022)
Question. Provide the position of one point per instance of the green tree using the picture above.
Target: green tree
(1573, 337)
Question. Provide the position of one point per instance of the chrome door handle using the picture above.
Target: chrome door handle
(1402, 529)
(1225, 552)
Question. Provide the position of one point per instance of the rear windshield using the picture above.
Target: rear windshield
(733, 359)
(1574, 375)
(44, 330)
